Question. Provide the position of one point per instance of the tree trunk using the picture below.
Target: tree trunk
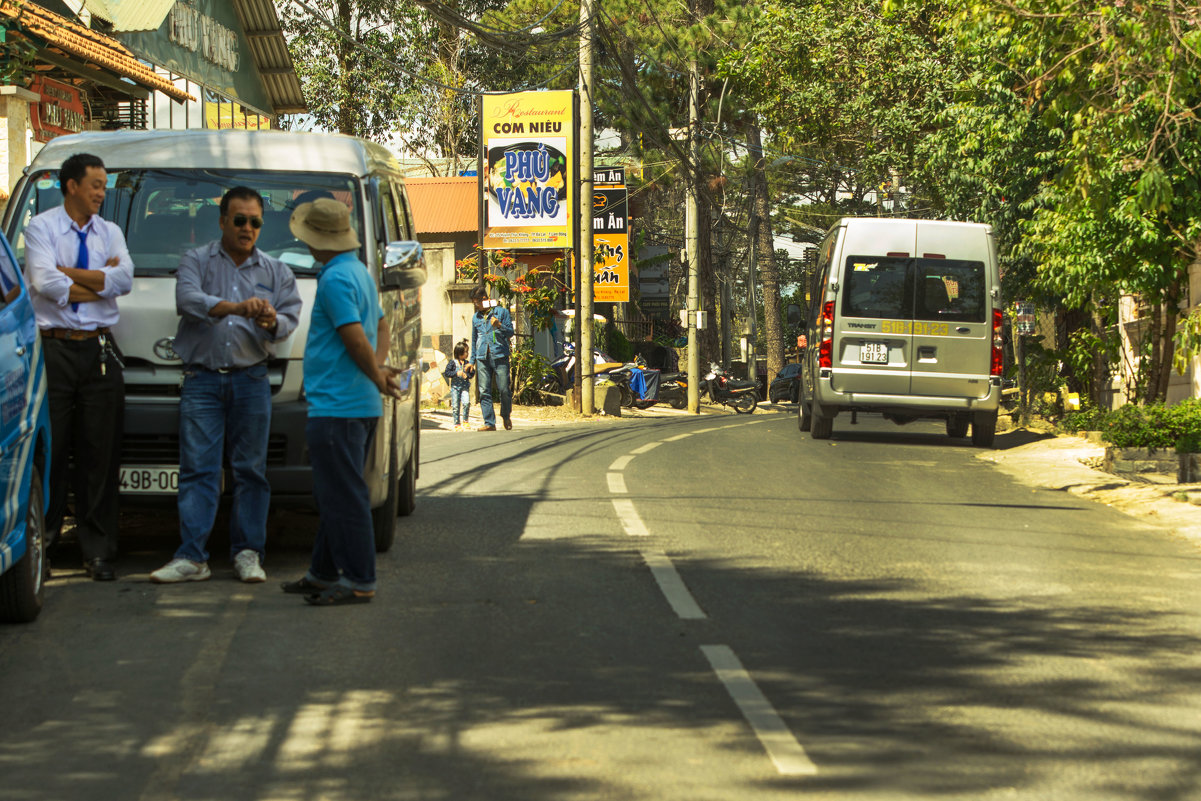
(769, 274)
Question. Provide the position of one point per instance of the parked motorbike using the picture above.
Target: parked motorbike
(562, 374)
(724, 388)
(673, 389)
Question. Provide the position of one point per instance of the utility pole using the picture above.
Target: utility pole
(584, 358)
(752, 371)
(692, 236)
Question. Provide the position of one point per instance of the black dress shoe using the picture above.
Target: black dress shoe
(100, 570)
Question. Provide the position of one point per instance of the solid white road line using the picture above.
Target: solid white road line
(629, 518)
(617, 483)
(669, 580)
(787, 754)
(621, 462)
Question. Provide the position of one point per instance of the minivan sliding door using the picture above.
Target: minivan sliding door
(952, 336)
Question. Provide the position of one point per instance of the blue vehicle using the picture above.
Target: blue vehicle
(24, 449)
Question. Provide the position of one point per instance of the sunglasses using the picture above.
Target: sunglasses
(241, 219)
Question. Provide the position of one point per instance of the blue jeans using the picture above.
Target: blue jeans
(344, 551)
(218, 413)
(460, 402)
(486, 368)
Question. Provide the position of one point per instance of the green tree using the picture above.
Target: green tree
(1111, 91)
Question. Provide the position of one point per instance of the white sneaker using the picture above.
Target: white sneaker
(246, 565)
(181, 570)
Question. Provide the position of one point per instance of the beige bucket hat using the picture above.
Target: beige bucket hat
(324, 224)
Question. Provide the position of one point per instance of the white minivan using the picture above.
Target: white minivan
(905, 320)
(164, 188)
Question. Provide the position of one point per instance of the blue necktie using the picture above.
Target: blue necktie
(81, 263)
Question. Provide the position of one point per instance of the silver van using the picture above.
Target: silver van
(164, 188)
(905, 320)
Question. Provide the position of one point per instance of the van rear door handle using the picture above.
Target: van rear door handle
(926, 353)
(963, 329)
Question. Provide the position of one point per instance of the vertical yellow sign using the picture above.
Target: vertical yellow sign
(528, 171)
(611, 267)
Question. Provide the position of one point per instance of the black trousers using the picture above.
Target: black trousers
(87, 415)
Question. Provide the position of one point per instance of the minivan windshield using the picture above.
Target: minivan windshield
(899, 288)
(165, 213)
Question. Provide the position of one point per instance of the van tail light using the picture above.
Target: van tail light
(998, 361)
(825, 351)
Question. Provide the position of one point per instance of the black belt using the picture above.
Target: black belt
(73, 333)
(221, 370)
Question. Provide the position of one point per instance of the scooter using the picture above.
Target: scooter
(723, 388)
(562, 374)
(673, 389)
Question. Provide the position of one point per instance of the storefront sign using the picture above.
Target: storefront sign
(205, 42)
(527, 179)
(58, 112)
(202, 34)
(611, 245)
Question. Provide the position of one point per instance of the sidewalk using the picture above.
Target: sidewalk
(442, 418)
(1065, 463)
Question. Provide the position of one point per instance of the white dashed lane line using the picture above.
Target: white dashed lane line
(668, 578)
(786, 753)
(629, 518)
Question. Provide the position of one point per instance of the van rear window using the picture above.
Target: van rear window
(165, 213)
(876, 287)
(914, 289)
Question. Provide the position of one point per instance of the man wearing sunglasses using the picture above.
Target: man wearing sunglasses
(235, 302)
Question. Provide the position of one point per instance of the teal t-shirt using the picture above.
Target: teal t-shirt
(333, 383)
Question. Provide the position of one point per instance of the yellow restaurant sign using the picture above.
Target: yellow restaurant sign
(529, 169)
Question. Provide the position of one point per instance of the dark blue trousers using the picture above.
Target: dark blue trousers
(345, 548)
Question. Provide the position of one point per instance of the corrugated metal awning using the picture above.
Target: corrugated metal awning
(87, 48)
(269, 49)
(444, 205)
(131, 15)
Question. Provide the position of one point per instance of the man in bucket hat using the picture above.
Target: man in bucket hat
(344, 376)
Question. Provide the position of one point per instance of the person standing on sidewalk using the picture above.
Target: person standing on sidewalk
(234, 302)
(492, 328)
(460, 371)
(76, 308)
(344, 376)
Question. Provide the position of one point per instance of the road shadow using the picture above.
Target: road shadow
(519, 650)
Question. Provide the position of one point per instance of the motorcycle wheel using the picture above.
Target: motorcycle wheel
(745, 403)
(678, 403)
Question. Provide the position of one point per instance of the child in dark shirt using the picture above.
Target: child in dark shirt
(459, 371)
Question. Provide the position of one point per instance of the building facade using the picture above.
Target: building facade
(74, 65)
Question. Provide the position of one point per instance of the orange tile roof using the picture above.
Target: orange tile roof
(87, 45)
(444, 205)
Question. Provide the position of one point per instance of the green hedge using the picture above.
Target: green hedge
(1152, 426)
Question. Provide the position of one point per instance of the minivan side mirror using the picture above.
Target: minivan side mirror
(404, 266)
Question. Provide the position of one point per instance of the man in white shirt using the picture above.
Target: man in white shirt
(77, 265)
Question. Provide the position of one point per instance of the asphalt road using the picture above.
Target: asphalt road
(685, 608)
